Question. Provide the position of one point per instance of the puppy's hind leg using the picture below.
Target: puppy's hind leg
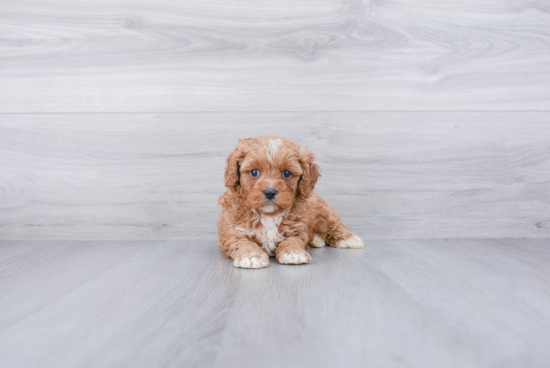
(317, 242)
(352, 242)
(339, 236)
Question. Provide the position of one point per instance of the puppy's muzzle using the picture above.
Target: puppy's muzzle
(270, 193)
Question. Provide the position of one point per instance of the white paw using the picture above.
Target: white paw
(317, 242)
(293, 258)
(353, 242)
(251, 261)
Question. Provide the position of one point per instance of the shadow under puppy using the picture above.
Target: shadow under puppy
(270, 209)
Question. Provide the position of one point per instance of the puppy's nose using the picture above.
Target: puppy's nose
(270, 193)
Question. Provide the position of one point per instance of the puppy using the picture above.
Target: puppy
(270, 209)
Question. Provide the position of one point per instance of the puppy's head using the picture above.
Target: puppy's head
(270, 173)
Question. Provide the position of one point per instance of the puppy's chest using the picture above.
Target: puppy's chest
(268, 233)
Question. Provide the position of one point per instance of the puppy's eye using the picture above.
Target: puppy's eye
(287, 174)
(255, 173)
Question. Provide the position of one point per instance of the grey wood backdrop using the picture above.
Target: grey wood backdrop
(430, 119)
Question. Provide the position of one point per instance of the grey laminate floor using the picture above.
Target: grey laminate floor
(432, 303)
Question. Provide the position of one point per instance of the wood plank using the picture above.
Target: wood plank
(454, 303)
(390, 175)
(487, 283)
(29, 282)
(164, 305)
(395, 303)
(289, 55)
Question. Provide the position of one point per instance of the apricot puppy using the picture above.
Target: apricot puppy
(270, 209)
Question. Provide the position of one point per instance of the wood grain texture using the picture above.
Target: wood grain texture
(389, 175)
(165, 302)
(395, 303)
(289, 55)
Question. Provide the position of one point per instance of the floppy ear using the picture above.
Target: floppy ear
(312, 172)
(231, 175)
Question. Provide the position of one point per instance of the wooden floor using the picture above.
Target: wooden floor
(395, 303)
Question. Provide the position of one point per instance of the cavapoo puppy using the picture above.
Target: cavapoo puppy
(270, 209)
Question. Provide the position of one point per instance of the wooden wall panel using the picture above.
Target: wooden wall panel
(390, 175)
(289, 55)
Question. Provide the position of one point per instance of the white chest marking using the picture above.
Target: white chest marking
(268, 233)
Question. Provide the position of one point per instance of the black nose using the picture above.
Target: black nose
(270, 193)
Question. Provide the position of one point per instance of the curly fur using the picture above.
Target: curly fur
(252, 227)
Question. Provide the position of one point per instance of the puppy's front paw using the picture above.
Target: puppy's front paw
(353, 242)
(294, 256)
(252, 260)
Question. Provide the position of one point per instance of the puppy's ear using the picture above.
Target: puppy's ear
(231, 175)
(312, 172)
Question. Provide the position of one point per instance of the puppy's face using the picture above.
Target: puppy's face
(270, 173)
